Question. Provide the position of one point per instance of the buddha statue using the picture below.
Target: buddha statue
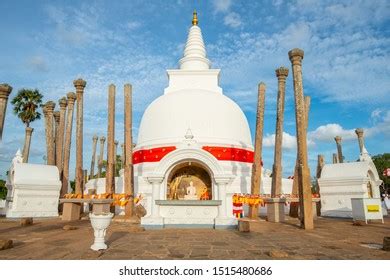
(191, 192)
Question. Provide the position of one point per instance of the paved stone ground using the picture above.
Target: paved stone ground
(331, 239)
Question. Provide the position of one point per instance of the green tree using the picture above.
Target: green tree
(381, 163)
(118, 166)
(26, 104)
(3, 189)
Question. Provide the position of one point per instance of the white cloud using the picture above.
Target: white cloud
(37, 63)
(344, 62)
(233, 20)
(329, 131)
(222, 5)
(131, 25)
(289, 141)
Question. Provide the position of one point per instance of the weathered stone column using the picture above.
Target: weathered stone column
(320, 165)
(339, 149)
(276, 188)
(110, 176)
(360, 134)
(67, 144)
(256, 167)
(48, 111)
(101, 156)
(123, 155)
(94, 143)
(128, 151)
(335, 160)
(294, 207)
(115, 153)
(61, 134)
(305, 195)
(5, 91)
(27, 143)
(79, 85)
(56, 115)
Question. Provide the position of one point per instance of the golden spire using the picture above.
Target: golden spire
(194, 18)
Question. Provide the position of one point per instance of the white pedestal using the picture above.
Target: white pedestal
(100, 223)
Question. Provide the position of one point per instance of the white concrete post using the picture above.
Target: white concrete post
(156, 185)
(222, 197)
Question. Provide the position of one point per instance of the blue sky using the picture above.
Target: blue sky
(346, 70)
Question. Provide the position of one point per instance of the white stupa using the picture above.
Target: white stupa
(194, 149)
(192, 135)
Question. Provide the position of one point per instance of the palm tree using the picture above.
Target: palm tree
(26, 103)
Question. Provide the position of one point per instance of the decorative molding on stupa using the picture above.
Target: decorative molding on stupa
(189, 134)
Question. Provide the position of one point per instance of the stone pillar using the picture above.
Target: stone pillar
(67, 144)
(5, 91)
(110, 183)
(123, 155)
(101, 156)
(56, 115)
(276, 188)
(360, 134)
(335, 158)
(61, 132)
(305, 195)
(339, 149)
(294, 207)
(320, 165)
(94, 143)
(27, 142)
(115, 153)
(48, 112)
(128, 150)
(79, 85)
(256, 167)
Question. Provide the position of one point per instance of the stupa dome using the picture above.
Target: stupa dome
(212, 118)
(194, 102)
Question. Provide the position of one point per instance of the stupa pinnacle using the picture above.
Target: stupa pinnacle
(195, 51)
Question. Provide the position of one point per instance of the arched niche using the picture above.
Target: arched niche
(181, 176)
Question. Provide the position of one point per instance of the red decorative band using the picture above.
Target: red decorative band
(151, 155)
(230, 154)
(220, 153)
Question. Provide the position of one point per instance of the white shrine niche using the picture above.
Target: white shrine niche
(33, 190)
(340, 182)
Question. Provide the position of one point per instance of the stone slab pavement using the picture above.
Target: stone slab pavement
(331, 239)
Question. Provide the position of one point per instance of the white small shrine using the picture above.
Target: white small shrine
(340, 182)
(33, 190)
